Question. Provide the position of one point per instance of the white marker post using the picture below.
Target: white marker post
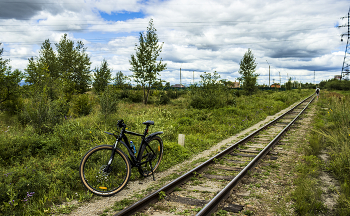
(181, 140)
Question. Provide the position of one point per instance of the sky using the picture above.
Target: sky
(297, 38)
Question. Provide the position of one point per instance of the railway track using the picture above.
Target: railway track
(210, 183)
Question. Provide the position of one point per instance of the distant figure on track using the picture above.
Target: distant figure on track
(317, 92)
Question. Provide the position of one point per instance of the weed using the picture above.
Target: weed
(196, 182)
(248, 212)
(161, 195)
(65, 209)
(120, 205)
(178, 189)
(193, 178)
(221, 213)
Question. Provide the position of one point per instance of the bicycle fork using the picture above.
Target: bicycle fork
(106, 169)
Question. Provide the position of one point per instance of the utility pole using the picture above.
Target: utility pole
(193, 77)
(280, 79)
(180, 79)
(346, 66)
(269, 73)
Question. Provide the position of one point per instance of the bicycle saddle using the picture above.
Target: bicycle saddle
(148, 122)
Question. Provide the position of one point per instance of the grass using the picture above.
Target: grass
(307, 195)
(333, 128)
(331, 132)
(48, 163)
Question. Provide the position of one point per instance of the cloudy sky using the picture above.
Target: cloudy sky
(296, 37)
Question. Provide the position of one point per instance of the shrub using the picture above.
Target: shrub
(12, 106)
(211, 94)
(108, 102)
(81, 105)
(172, 94)
(124, 94)
(163, 98)
(42, 113)
(136, 96)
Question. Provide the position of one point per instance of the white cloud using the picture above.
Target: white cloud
(296, 37)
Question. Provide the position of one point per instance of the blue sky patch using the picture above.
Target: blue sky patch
(336, 25)
(121, 16)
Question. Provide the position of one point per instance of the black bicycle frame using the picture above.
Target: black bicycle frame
(133, 159)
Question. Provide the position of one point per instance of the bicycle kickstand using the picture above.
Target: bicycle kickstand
(152, 170)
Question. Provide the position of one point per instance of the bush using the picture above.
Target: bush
(211, 94)
(124, 94)
(42, 113)
(12, 106)
(136, 96)
(163, 98)
(172, 94)
(108, 102)
(206, 101)
(81, 105)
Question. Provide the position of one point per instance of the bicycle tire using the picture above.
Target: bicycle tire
(96, 179)
(156, 143)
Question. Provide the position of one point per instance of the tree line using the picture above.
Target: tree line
(63, 70)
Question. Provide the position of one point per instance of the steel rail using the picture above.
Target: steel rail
(211, 207)
(153, 197)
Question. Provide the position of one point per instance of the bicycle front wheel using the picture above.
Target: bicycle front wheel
(100, 179)
(153, 152)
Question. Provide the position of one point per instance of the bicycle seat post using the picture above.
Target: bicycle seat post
(146, 130)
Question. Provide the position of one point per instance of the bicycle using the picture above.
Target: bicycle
(105, 170)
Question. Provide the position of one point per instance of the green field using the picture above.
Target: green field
(39, 160)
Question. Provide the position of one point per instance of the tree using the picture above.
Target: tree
(289, 84)
(74, 66)
(102, 77)
(247, 70)
(144, 64)
(48, 57)
(119, 79)
(9, 85)
(43, 72)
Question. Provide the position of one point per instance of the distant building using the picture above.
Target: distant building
(338, 77)
(276, 85)
(178, 86)
(230, 84)
(235, 85)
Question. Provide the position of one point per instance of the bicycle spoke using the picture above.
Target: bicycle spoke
(102, 178)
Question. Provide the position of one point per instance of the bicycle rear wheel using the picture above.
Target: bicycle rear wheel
(153, 152)
(95, 176)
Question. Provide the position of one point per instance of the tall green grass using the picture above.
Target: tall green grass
(331, 132)
(336, 133)
(38, 170)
